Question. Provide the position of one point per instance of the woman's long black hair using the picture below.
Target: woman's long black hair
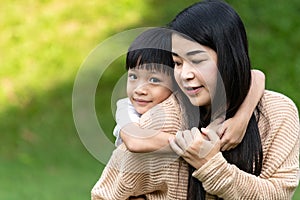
(216, 25)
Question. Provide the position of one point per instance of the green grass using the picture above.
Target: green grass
(42, 46)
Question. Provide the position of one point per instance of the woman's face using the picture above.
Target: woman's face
(195, 70)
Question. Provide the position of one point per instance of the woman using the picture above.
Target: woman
(209, 40)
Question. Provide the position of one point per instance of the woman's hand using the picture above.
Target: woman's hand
(195, 147)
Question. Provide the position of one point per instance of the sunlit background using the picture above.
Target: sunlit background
(42, 46)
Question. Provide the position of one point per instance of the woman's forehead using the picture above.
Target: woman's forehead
(187, 47)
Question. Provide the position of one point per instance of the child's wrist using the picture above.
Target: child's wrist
(242, 117)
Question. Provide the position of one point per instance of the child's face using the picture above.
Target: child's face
(147, 88)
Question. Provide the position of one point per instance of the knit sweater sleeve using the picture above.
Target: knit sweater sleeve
(165, 116)
(279, 129)
(131, 174)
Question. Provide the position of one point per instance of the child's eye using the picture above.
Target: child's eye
(154, 80)
(132, 76)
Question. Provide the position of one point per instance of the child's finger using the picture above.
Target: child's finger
(227, 147)
(221, 130)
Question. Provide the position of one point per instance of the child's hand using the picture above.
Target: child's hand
(232, 132)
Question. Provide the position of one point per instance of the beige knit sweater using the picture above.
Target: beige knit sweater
(279, 129)
(161, 176)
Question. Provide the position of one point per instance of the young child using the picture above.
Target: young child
(154, 105)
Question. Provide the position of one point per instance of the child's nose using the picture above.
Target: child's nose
(141, 89)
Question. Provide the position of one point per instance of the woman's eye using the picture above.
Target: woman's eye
(196, 61)
(177, 64)
(154, 80)
(177, 61)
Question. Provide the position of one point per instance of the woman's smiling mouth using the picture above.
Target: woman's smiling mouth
(193, 90)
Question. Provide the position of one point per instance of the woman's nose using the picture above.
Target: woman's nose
(187, 72)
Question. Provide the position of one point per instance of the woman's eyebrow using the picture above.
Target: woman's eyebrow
(191, 53)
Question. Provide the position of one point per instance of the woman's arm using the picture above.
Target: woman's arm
(278, 179)
(233, 129)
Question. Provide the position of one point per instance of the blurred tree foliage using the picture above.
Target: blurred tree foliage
(43, 43)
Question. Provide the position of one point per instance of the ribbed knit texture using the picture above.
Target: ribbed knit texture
(161, 176)
(279, 130)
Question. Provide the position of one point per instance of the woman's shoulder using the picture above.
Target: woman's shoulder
(278, 124)
(164, 114)
(275, 101)
(171, 101)
(277, 111)
(169, 105)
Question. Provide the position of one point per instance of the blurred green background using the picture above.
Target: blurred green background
(42, 46)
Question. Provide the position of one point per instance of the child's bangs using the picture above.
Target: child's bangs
(150, 59)
(157, 67)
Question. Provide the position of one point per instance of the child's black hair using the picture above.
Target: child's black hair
(151, 50)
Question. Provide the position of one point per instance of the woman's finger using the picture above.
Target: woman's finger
(189, 138)
(211, 134)
(194, 132)
(180, 140)
(174, 146)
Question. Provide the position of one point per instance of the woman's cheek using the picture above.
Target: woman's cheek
(177, 78)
